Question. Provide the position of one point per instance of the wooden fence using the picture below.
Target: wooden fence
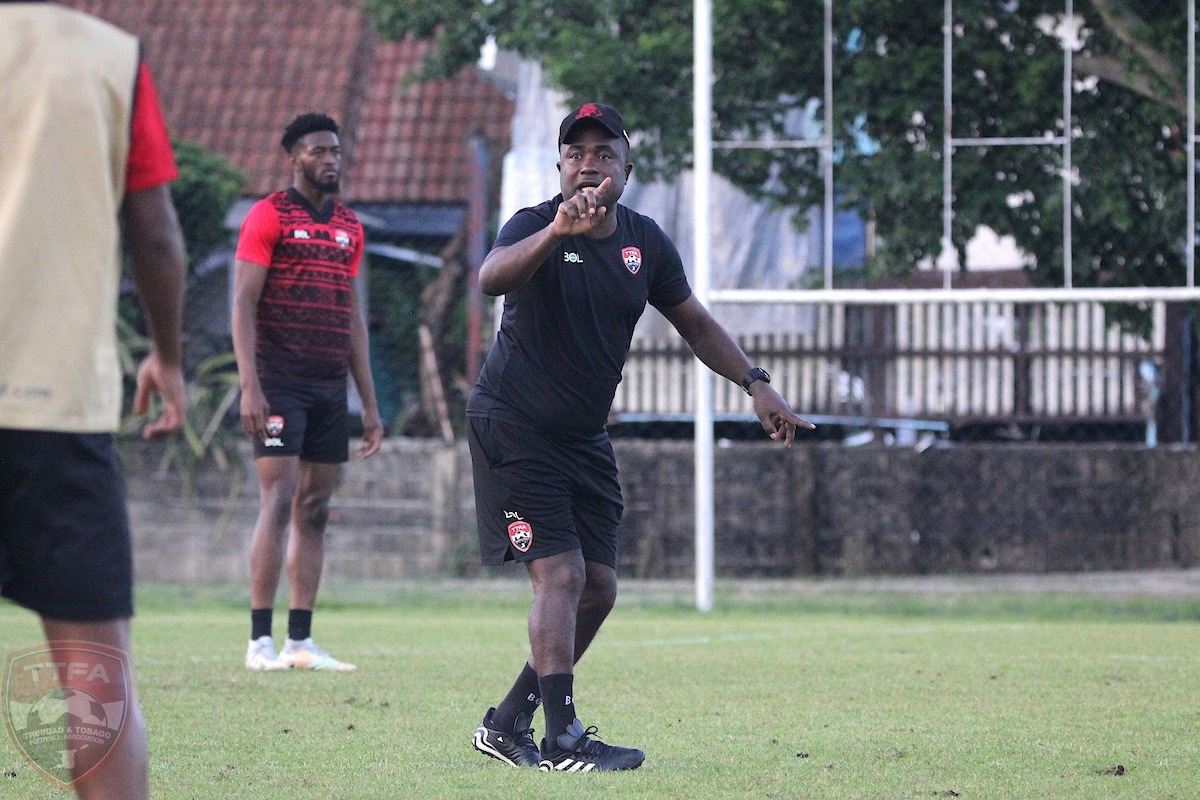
(953, 361)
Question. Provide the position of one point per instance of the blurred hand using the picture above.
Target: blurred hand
(583, 211)
(776, 417)
(156, 377)
(372, 434)
(254, 412)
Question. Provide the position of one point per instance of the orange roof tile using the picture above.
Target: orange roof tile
(415, 144)
(233, 73)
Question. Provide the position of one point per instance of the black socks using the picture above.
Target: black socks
(299, 624)
(260, 622)
(558, 704)
(523, 698)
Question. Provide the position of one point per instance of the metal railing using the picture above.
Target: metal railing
(954, 361)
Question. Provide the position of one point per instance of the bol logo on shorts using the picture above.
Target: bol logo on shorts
(274, 429)
(66, 707)
(520, 533)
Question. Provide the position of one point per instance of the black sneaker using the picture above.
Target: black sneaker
(515, 748)
(575, 751)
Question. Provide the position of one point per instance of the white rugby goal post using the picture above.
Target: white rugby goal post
(702, 156)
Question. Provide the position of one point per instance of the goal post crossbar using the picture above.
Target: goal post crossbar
(1131, 294)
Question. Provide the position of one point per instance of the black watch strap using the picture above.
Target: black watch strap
(755, 374)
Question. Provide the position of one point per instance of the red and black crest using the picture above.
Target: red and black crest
(632, 257)
(520, 533)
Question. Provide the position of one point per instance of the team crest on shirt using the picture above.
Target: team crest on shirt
(342, 238)
(520, 533)
(632, 257)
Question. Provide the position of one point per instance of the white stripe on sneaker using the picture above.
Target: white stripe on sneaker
(485, 747)
(567, 765)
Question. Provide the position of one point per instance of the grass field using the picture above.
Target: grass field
(777, 695)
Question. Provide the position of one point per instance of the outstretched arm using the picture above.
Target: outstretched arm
(713, 345)
(159, 266)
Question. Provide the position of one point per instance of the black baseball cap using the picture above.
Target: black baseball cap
(605, 116)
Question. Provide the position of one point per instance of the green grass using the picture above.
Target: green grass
(774, 695)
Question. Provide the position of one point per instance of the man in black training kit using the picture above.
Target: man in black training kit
(576, 272)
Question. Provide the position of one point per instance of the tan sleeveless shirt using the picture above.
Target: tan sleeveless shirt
(66, 99)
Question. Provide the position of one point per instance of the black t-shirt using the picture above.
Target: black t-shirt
(565, 334)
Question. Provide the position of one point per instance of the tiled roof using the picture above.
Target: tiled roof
(233, 73)
(419, 139)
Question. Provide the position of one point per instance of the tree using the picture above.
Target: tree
(1129, 140)
(206, 189)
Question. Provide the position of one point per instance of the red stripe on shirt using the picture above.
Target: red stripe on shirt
(151, 162)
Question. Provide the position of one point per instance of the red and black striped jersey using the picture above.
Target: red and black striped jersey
(312, 257)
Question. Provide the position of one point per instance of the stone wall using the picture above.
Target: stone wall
(809, 510)
(406, 511)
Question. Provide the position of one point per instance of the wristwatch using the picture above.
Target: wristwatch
(755, 374)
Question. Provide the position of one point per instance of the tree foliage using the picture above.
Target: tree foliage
(1129, 101)
(206, 189)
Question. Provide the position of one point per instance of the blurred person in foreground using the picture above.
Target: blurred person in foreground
(298, 330)
(577, 272)
(87, 164)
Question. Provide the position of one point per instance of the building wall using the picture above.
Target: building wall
(812, 510)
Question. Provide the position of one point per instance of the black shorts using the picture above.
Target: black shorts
(65, 548)
(316, 423)
(536, 496)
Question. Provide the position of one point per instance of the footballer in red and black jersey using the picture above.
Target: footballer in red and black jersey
(303, 316)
